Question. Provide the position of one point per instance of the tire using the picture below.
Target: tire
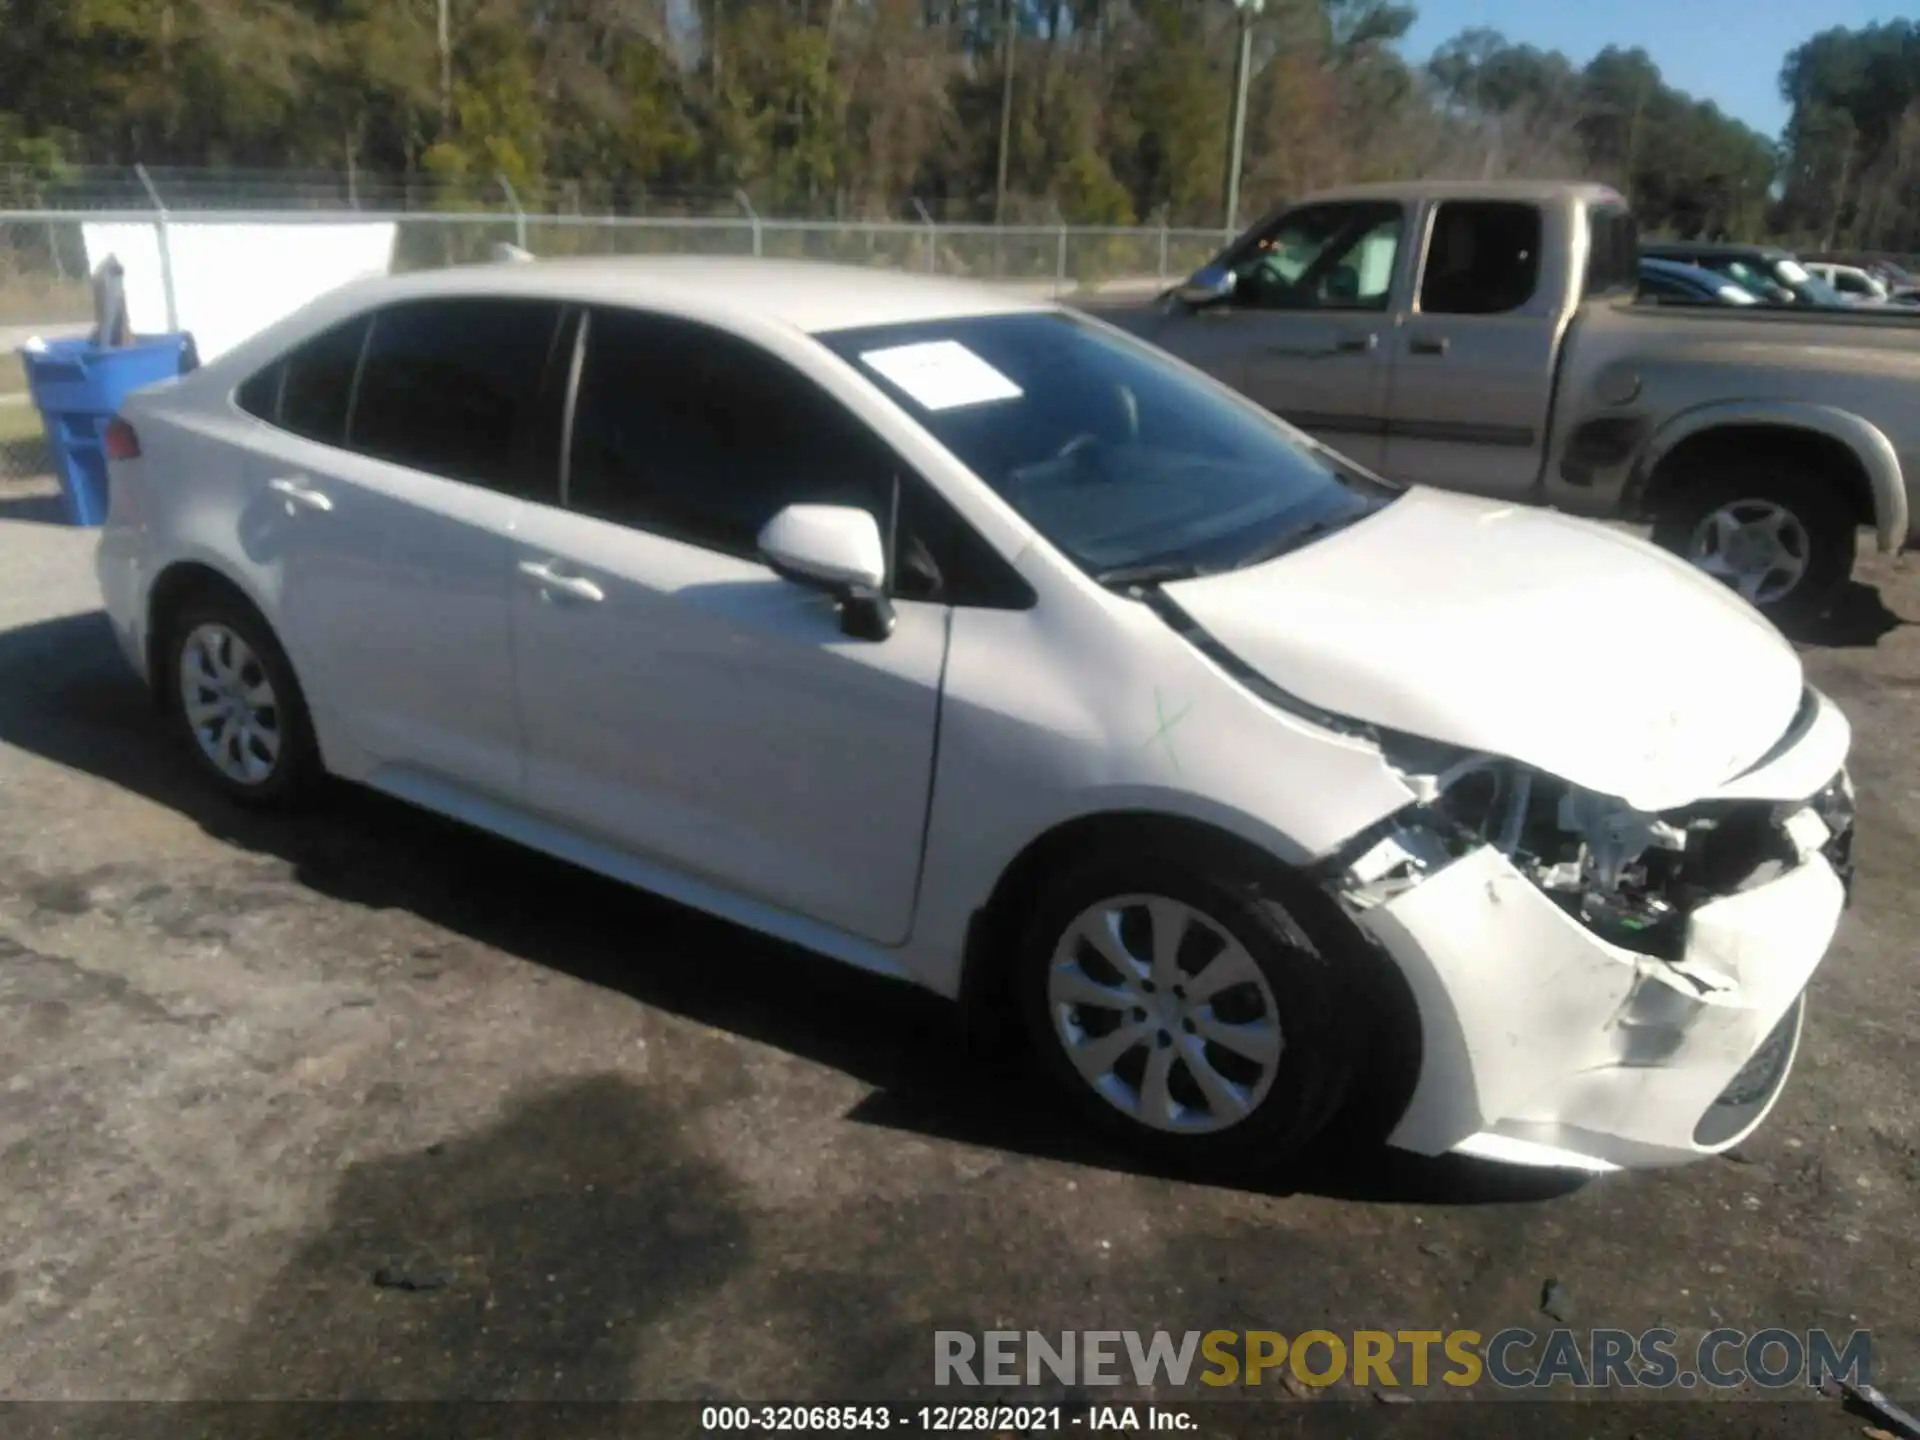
(271, 759)
(1765, 486)
(1305, 982)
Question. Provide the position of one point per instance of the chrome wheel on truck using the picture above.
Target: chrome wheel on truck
(1775, 531)
(1758, 547)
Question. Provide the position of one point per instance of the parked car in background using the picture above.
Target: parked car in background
(1672, 282)
(972, 642)
(1884, 267)
(1772, 274)
(1485, 337)
(1853, 282)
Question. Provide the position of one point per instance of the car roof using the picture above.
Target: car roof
(809, 296)
(1539, 191)
(1680, 270)
(1657, 248)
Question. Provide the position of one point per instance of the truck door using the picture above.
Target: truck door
(1307, 324)
(1472, 375)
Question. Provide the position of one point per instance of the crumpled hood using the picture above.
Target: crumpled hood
(1572, 648)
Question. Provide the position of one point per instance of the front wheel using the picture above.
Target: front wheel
(1776, 534)
(1184, 1009)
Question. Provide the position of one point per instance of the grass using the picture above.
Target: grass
(43, 300)
(13, 379)
(23, 445)
(19, 422)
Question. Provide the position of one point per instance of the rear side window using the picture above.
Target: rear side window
(260, 396)
(1483, 259)
(1613, 259)
(309, 390)
(454, 387)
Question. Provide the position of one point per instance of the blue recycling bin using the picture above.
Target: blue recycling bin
(78, 387)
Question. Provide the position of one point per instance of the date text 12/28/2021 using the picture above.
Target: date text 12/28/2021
(938, 1419)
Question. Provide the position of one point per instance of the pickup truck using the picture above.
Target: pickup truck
(1486, 337)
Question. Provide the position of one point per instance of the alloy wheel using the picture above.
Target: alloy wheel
(1759, 547)
(230, 705)
(1164, 1014)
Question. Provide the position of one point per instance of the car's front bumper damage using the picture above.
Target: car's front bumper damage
(1557, 1032)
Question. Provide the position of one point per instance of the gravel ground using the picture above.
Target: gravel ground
(247, 1063)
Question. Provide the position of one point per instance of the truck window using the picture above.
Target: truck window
(1613, 256)
(1321, 257)
(1483, 259)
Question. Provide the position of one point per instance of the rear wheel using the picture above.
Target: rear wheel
(234, 697)
(1182, 1007)
(1775, 533)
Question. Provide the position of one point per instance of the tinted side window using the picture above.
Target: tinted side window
(453, 387)
(700, 436)
(308, 390)
(1483, 259)
(259, 396)
(941, 557)
(1613, 261)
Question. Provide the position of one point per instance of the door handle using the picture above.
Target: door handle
(1344, 345)
(298, 492)
(552, 582)
(1427, 345)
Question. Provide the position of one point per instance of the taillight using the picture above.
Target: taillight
(122, 442)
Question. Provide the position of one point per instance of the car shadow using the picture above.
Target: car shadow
(66, 695)
(1857, 618)
(37, 508)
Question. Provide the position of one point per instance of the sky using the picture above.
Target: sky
(1726, 51)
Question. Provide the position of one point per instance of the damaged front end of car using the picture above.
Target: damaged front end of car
(1600, 986)
(1631, 877)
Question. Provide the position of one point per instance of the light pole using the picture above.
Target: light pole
(1242, 74)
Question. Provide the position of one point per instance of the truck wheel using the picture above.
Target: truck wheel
(1776, 533)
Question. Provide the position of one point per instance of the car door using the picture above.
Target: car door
(681, 701)
(1473, 376)
(1309, 320)
(394, 537)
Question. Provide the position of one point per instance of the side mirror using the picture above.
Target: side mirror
(1209, 285)
(836, 549)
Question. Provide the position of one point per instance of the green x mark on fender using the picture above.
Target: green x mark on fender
(1165, 733)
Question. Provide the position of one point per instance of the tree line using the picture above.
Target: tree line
(1076, 111)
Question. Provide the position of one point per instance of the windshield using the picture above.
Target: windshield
(1135, 467)
(1809, 288)
(1755, 280)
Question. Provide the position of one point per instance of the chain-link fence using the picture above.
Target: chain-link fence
(44, 286)
(114, 187)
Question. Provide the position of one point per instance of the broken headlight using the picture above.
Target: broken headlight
(1629, 876)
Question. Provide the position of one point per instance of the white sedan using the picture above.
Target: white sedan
(977, 644)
